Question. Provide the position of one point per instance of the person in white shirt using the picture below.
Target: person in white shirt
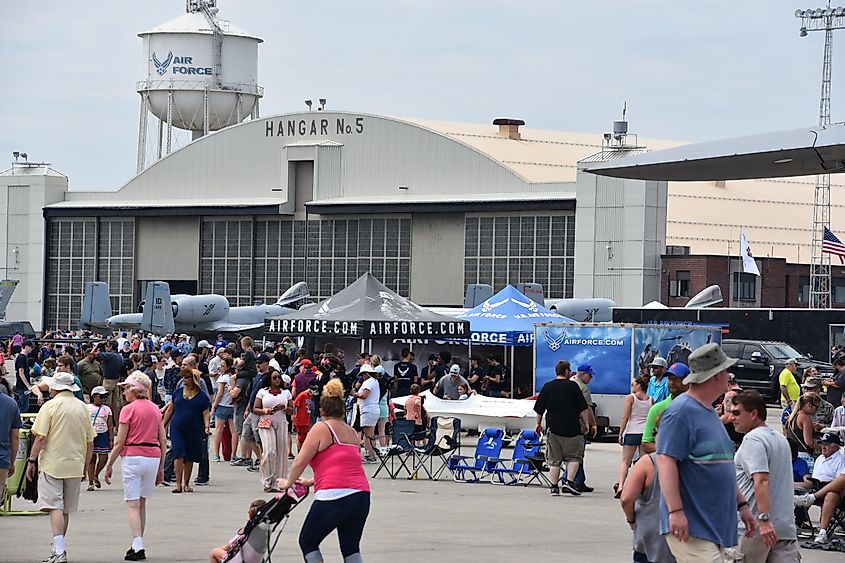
(368, 407)
(831, 463)
(271, 404)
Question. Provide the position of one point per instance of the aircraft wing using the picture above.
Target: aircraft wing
(223, 326)
(7, 288)
(797, 152)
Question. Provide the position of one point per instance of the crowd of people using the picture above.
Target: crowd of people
(702, 476)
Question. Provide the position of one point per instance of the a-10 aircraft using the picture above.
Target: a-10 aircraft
(203, 316)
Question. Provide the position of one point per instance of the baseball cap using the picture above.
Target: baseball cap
(99, 390)
(306, 362)
(204, 344)
(262, 358)
(366, 368)
(286, 378)
(657, 361)
(678, 370)
(831, 438)
(585, 368)
(153, 359)
(455, 370)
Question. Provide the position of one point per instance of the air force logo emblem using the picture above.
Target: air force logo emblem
(554, 342)
(161, 66)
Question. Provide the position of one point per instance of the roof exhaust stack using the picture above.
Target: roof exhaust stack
(509, 127)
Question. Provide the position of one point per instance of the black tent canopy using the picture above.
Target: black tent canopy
(367, 309)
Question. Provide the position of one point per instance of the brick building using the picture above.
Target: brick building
(781, 284)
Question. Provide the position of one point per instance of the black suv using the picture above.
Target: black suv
(761, 361)
(9, 328)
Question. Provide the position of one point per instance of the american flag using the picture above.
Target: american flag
(833, 245)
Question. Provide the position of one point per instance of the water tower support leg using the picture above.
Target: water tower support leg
(169, 120)
(142, 133)
(205, 117)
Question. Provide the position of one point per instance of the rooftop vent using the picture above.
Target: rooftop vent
(509, 127)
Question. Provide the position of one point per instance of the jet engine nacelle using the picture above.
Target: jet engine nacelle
(195, 309)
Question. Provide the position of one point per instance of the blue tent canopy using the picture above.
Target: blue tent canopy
(507, 319)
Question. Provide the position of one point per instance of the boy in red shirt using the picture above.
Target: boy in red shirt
(304, 404)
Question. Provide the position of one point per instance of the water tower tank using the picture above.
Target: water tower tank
(197, 61)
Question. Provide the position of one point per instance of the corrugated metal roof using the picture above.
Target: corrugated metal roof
(614, 154)
(133, 204)
(538, 156)
(447, 198)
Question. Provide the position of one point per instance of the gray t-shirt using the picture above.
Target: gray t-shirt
(449, 386)
(764, 450)
(10, 418)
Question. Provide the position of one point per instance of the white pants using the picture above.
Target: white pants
(274, 452)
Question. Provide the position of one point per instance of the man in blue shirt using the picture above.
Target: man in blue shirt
(658, 384)
(695, 461)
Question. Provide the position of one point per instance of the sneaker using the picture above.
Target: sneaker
(56, 558)
(201, 483)
(555, 491)
(132, 555)
(804, 501)
(252, 468)
(236, 460)
(216, 459)
(570, 488)
(370, 460)
(584, 488)
(821, 537)
(166, 483)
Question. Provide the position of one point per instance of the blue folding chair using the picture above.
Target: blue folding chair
(526, 462)
(488, 448)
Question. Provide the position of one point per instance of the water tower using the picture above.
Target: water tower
(201, 76)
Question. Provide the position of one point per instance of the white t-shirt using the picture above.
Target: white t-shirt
(102, 414)
(268, 401)
(370, 404)
(826, 469)
(226, 399)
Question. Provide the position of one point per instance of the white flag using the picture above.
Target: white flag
(749, 266)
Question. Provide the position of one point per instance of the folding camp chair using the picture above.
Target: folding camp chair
(395, 457)
(487, 450)
(444, 439)
(512, 471)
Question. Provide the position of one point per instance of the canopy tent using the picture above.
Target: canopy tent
(367, 309)
(508, 318)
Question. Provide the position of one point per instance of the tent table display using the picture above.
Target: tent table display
(367, 309)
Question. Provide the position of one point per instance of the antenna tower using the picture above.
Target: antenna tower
(822, 19)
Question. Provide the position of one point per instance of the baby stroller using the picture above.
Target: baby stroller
(255, 545)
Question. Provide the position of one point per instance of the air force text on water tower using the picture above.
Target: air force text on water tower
(179, 65)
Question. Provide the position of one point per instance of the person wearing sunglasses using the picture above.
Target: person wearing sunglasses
(799, 427)
(271, 405)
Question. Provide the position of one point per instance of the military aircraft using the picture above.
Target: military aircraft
(202, 316)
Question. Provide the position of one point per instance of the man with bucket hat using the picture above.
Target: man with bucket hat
(63, 445)
(695, 460)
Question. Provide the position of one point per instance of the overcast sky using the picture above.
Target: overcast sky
(688, 70)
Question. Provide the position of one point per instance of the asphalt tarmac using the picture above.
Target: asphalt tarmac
(410, 521)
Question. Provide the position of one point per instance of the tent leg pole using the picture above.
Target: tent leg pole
(512, 383)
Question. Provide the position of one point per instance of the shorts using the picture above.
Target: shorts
(369, 419)
(139, 476)
(239, 419)
(249, 432)
(101, 443)
(753, 549)
(58, 494)
(632, 440)
(224, 413)
(695, 549)
(563, 449)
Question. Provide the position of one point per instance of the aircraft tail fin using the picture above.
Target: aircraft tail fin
(7, 288)
(96, 306)
(158, 311)
(296, 292)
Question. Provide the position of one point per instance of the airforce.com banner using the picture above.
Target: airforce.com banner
(606, 348)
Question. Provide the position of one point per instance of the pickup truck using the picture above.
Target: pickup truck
(761, 361)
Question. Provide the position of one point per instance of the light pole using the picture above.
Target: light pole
(821, 19)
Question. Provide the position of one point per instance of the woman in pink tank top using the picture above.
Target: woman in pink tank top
(342, 492)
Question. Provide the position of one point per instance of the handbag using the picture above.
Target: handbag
(264, 424)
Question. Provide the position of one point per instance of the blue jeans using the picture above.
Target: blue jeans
(23, 400)
(347, 515)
